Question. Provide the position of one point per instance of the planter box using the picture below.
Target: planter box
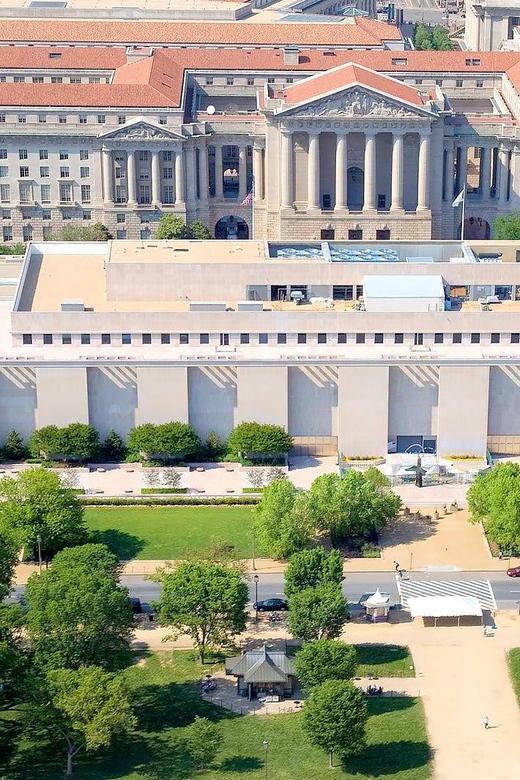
(362, 465)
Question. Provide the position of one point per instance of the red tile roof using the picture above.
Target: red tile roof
(364, 32)
(70, 57)
(344, 76)
(84, 96)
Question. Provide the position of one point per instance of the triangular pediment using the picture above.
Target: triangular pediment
(141, 130)
(355, 102)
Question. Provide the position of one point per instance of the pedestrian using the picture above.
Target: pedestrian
(486, 722)
(484, 630)
(396, 566)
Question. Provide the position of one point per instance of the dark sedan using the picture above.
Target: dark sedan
(271, 605)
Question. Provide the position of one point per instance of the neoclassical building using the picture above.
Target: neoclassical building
(362, 140)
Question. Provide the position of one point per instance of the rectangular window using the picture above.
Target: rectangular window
(120, 218)
(495, 338)
(66, 193)
(475, 338)
(302, 338)
(85, 338)
(250, 81)
(360, 338)
(263, 338)
(37, 79)
(342, 338)
(209, 80)
(62, 119)
(94, 80)
(147, 338)
(457, 338)
(244, 338)
(384, 234)
(105, 338)
(168, 194)
(378, 338)
(5, 193)
(438, 338)
(121, 235)
(515, 338)
(66, 339)
(56, 80)
(24, 172)
(83, 119)
(42, 119)
(165, 338)
(101, 119)
(44, 154)
(18, 79)
(282, 338)
(46, 214)
(480, 83)
(4, 171)
(47, 338)
(322, 338)
(167, 173)
(64, 172)
(418, 339)
(27, 339)
(184, 338)
(25, 190)
(438, 82)
(126, 338)
(27, 232)
(84, 173)
(64, 155)
(22, 154)
(398, 338)
(3, 154)
(45, 193)
(22, 119)
(7, 233)
(2, 119)
(121, 120)
(75, 80)
(6, 213)
(47, 232)
(83, 154)
(355, 235)
(459, 83)
(85, 193)
(167, 156)
(204, 338)
(163, 120)
(230, 81)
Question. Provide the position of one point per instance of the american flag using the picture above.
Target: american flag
(248, 199)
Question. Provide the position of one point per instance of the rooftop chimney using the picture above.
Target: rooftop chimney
(291, 56)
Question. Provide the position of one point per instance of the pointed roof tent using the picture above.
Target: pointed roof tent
(377, 599)
(349, 75)
(261, 666)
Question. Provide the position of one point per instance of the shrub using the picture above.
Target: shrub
(14, 447)
(169, 441)
(256, 441)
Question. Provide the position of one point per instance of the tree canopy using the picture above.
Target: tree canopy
(76, 232)
(77, 441)
(335, 717)
(168, 441)
(494, 500)
(87, 707)
(325, 659)
(14, 447)
(313, 567)
(203, 740)
(282, 520)
(171, 227)
(36, 503)
(78, 614)
(317, 613)
(425, 38)
(251, 439)
(206, 601)
(199, 231)
(507, 228)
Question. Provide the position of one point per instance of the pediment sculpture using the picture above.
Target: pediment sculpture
(142, 132)
(355, 103)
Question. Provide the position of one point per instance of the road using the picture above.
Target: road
(507, 590)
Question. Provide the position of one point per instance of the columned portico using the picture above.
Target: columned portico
(313, 173)
(258, 170)
(503, 173)
(179, 178)
(370, 171)
(108, 178)
(423, 185)
(219, 171)
(242, 173)
(156, 178)
(287, 170)
(130, 174)
(204, 173)
(397, 172)
(341, 172)
(448, 174)
(462, 167)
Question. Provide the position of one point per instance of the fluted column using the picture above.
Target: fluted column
(191, 182)
(423, 186)
(462, 168)
(204, 173)
(130, 174)
(258, 172)
(219, 172)
(287, 170)
(108, 178)
(485, 172)
(242, 172)
(179, 177)
(369, 203)
(397, 172)
(313, 172)
(341, 172)
(503, 174)
(448, 175)
(156, 178)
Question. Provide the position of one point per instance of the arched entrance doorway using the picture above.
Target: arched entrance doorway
(355, 186)
(232, 228)
(476, 228)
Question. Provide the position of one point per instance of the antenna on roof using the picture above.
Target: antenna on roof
(210, 110)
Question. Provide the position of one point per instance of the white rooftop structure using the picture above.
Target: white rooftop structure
(444, 606)
(406, 293)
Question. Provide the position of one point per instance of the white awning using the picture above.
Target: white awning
(444, 606)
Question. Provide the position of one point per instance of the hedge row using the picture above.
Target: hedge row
(173, 501)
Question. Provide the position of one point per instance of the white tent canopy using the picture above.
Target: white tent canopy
(377, 599)
(444, 606)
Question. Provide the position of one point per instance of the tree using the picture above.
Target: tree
(70, 478)
(78, 614)
(335, 718)
(199, 231)
(282, 520)
(169, 441)
(250, 439)
(8, 560)
(13, 658)
(152, 477)
(14, 447)
(77, 232)
(352, 505)
(205, 600)
(256, 477)
(114, 447)
(171, 227)
(214, 445)
(37, 504)
(171, 478)
(310, 568)
(12, 249)
(75, 442)
(507, 228)
(494, 500)
(203, 741)
(422, 37)
(325, 659)
(46, 442)
(317, 613)
(88, 707)
(440, 39)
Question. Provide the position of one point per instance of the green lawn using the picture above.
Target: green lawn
(384, 661)
(157, 533)
(513, 660)
(166, 701)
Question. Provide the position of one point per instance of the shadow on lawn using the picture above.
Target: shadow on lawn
(389, 758)
(160, 707)
(240, 764)
(375, 654)
(378, 706)
(125, 546)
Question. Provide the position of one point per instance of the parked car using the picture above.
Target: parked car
(514, 571)
(271, 605)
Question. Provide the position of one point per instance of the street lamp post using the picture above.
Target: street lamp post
(265, 743)
(256, 578)
(39, 540)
